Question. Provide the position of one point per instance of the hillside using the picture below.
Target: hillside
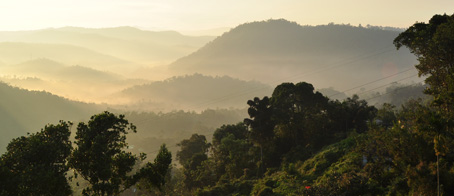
(71, 81)
(23, 111)
(195, 92)
(277, 51)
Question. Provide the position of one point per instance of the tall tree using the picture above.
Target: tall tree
(261, 126)
(36, 164)
(101, 159)
(297, 112)
(433, 44)
(153, 175)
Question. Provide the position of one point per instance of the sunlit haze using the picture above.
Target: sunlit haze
(199, 15)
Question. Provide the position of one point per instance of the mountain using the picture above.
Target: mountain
(23, 111)
(49, 69)
(131, 44)
(275, 51)
(131, 33)
(71, 81)
(18, 52)
(195, 92)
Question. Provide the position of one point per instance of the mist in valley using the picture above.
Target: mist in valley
(125, 69)
(172, 85)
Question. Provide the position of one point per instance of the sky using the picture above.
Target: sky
(192, 15)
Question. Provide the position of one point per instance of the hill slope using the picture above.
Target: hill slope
(276, 51)
(24, 111)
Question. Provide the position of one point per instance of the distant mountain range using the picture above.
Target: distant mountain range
(113, 65)
(126, 43)
(275, 51)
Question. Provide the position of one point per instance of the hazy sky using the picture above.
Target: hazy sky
(207, 14)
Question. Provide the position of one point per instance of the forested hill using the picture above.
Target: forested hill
(195, 92)
(23, 111)
(279, 50)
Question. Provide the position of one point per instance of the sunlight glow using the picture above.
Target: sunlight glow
(198, 14)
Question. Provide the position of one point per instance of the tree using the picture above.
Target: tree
(197, 167)
(36, 164)
(232, 152)
(386, 115)
(261, 127)
(260, 121)
(153, 175)
(100, 157)
(197, 144)
(299, 112)
(357, 113)
(433, 45)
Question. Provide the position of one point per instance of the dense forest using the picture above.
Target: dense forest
(297, 141)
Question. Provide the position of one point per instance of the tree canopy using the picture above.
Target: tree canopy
(36, 164)
(433, 44)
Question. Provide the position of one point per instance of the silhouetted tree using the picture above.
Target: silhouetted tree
(153, 175)
(101, 160)
(433, 44)
(36, 164)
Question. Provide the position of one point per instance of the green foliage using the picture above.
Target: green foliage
(153, 175)
(198, 170)
(195, 146)
(320, 162)
(386, 115)
(36, 164)
(234, 187)
(355, 113)
(433, 44)
(232, 152)
(279, 183)
(100, 157)
(297, 122)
